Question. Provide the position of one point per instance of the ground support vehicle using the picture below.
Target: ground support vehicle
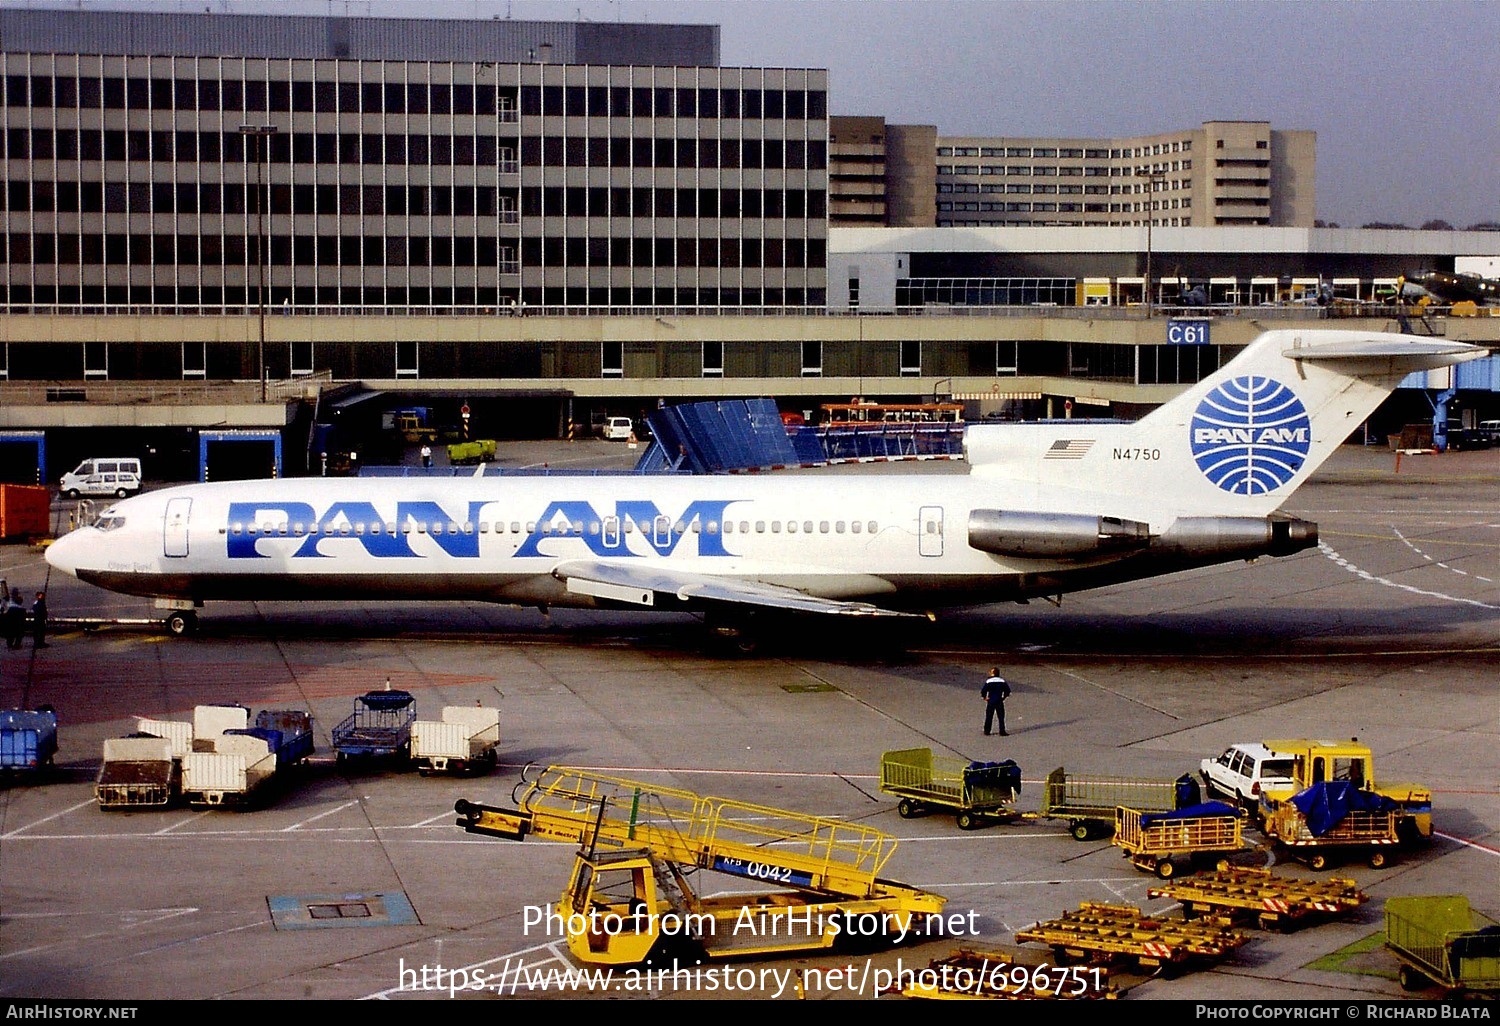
(977, 793)
(1088, 803)
(1333, 820)
(631, 894)
(1440, 939)
(991, 975)
(481, 451)
(1154, 841)
(289, 732)
(1235, 894)
(379, 726)
(138, 772)
(237, 770)
(464, 740)
(1108, 933)
(1318, 762)
(28, 739)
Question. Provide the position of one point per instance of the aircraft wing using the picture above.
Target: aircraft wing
(640, 585)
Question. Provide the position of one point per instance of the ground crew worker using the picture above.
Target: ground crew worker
(994, 692)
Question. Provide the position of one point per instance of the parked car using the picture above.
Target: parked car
(617, 429)
(1244, 770)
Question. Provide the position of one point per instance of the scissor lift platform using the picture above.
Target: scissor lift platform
(1236, 894)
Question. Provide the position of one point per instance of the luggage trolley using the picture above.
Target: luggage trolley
(1153, 840)
(976, 792)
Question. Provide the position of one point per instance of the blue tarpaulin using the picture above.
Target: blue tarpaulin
(1190, 812)
(1325, 805)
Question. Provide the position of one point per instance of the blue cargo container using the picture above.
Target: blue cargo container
(28, 738)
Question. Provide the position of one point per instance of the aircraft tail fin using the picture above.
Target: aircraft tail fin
(1236, 444)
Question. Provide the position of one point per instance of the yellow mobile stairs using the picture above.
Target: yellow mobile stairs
(641, 844)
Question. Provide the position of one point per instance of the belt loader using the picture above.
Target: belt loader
(630, 893)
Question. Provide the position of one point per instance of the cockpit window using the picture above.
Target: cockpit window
(106, 522)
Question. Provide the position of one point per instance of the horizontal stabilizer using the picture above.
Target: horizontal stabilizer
(1385, 347)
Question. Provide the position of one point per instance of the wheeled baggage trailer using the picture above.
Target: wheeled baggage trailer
(1088, 803)
(1440, 939)
(1326, 821)
(1100, 933)
(976, 792)
(1233, 894)
(1154, 840)
(379, 726)
(463, 741)
(138, 772)
(28, 739)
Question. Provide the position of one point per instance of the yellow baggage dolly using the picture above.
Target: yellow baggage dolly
(1155, 840)
(1100, 934)
(1232, 894)
(978, 793)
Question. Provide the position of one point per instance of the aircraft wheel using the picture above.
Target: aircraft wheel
(181, 623)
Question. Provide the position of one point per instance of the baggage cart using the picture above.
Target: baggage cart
(464, 740)
(379, 726)
(1440, 939)
(1155, 841)
(294, 727)
(1100, 934)
(1236, 893)
(1334, 820)
(28, 739)
(1088, 803)
(138, 772)
(977, 793)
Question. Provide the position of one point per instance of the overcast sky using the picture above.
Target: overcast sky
(1402, 95)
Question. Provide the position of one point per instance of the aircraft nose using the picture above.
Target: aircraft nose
(63, 554)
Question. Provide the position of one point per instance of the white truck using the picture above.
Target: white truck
(464, 740)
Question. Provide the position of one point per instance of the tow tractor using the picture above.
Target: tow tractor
(631, 894)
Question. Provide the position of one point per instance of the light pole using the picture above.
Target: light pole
(1152, 181)
(261, 134)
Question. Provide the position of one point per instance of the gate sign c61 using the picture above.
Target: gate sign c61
(1187, 332)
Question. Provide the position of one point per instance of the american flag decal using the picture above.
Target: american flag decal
(1069, 449)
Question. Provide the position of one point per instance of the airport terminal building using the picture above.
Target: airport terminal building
(262, 223)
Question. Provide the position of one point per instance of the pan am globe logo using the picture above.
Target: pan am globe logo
(1250, 435)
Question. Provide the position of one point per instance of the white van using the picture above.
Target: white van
(617, 429)
(109, 475)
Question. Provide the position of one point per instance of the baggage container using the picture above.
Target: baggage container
(138, 773)
(209, 721)
(1440, 939)
(25, 511)
(465, 740)
(480, 451)
(179, 732)
(237, 768)
(28, 739)
(294, 726)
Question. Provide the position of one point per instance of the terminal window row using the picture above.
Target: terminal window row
(256, 96)
(235, 250)
(609, 525)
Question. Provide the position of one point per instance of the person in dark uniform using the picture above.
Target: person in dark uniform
(994, 692)
(39, 621)
(14, 618)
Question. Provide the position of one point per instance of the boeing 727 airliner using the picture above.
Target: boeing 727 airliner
(1046, 508)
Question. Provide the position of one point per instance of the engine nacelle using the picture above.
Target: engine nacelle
(1236, 537)
(1053, 535)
